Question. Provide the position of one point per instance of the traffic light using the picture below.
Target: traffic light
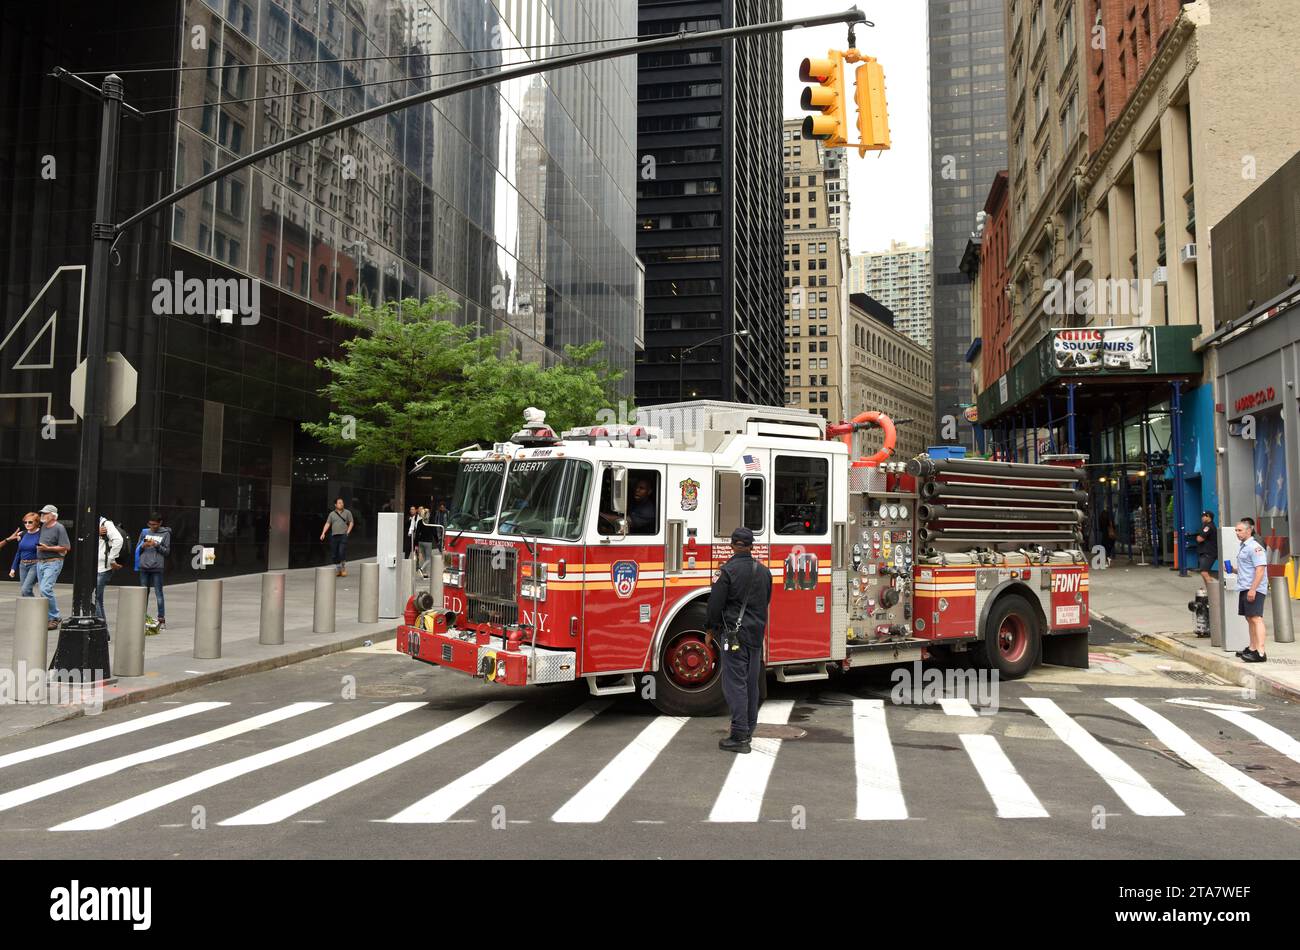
(828, 98)
(873, 116)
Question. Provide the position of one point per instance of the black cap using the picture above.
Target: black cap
(742, 535)
(1208, 514)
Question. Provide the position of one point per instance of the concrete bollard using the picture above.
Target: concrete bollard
(368, 595)
(31, 648)
(435, 578)
(1215, 592)
(128, 645)
(1280, 594)
(322, 615)
(271, 625)
(207, 621)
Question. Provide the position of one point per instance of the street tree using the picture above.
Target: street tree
(410, 381)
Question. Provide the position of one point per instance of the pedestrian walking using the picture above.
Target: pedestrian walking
(440, 517)
(338, 525)
(24, 567)
(1251, 568)
(412, 519)
(737, 617)
(151, 562)
(1207, 547)
(110, 546)
(52, 547)
(426, 547)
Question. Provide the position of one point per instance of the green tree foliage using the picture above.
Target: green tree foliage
(411, 381)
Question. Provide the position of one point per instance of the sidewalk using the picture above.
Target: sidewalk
(169, 656)
(1150, 603)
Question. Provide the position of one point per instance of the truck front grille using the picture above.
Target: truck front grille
(491, 579)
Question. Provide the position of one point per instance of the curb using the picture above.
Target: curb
(1221, 666)
(216, 676)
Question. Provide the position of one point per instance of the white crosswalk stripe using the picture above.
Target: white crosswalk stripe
(599, 796)
(1269, 735)
(880, 790)
(175, 791)
(449, 799)
(1011, 794)
(108, 732)
(741, 798)
(1135, 791)
(1196, 755)
(59, 783)
(291, 803)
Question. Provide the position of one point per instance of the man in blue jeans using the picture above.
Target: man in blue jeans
(51, 549)
(151, 553)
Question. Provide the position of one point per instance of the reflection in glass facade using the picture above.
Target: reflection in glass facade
(968, 140)
(516, 201)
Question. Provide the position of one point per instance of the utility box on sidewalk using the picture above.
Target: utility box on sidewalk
(1236, 633)
(388, 552)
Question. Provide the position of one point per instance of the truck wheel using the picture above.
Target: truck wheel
(689, 679)
(1012, 639)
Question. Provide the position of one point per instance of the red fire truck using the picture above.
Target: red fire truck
(591, 553)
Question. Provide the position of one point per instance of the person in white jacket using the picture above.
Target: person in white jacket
(110, 546)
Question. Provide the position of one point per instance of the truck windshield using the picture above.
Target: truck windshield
(545, 498)
(474, 501)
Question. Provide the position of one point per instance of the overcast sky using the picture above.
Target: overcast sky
(889, 191)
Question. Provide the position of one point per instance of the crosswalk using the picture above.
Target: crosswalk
(998, 775)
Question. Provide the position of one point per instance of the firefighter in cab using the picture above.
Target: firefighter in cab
(737, 617)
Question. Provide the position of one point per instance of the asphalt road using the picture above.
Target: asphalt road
(422, 762)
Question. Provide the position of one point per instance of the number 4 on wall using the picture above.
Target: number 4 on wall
(40, 351)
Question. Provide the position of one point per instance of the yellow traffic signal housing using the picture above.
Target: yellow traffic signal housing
(873, 115)
(828, 97)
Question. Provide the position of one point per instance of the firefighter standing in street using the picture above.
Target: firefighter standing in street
(737, 617)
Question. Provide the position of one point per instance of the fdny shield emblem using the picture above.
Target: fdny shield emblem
(622, 574)
(690, 494)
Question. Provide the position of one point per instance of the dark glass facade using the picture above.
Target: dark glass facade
(709, 202)
(968, 134)
(516, 201)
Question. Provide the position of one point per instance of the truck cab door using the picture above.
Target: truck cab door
(624, 588)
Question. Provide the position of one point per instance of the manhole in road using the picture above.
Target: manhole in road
(766, 731)
(389, 691)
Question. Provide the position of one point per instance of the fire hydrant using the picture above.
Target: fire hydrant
(1201, 608)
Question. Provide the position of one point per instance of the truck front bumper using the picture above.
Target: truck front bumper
(487, 657)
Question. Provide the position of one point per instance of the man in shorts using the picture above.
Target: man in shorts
(1251, 567)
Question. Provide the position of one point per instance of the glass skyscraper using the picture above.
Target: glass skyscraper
(709, 224)
(516, 200)
(968, 135)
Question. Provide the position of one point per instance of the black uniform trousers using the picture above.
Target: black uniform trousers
(742, 678)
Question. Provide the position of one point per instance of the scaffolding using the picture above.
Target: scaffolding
(1034, 429)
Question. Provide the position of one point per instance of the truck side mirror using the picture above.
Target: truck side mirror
(618, 489)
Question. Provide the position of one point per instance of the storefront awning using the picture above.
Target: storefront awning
(1111, 356)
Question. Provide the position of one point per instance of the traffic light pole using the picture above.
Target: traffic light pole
(83, 639)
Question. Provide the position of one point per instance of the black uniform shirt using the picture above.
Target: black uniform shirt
(729, 592)
(1207, 541)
